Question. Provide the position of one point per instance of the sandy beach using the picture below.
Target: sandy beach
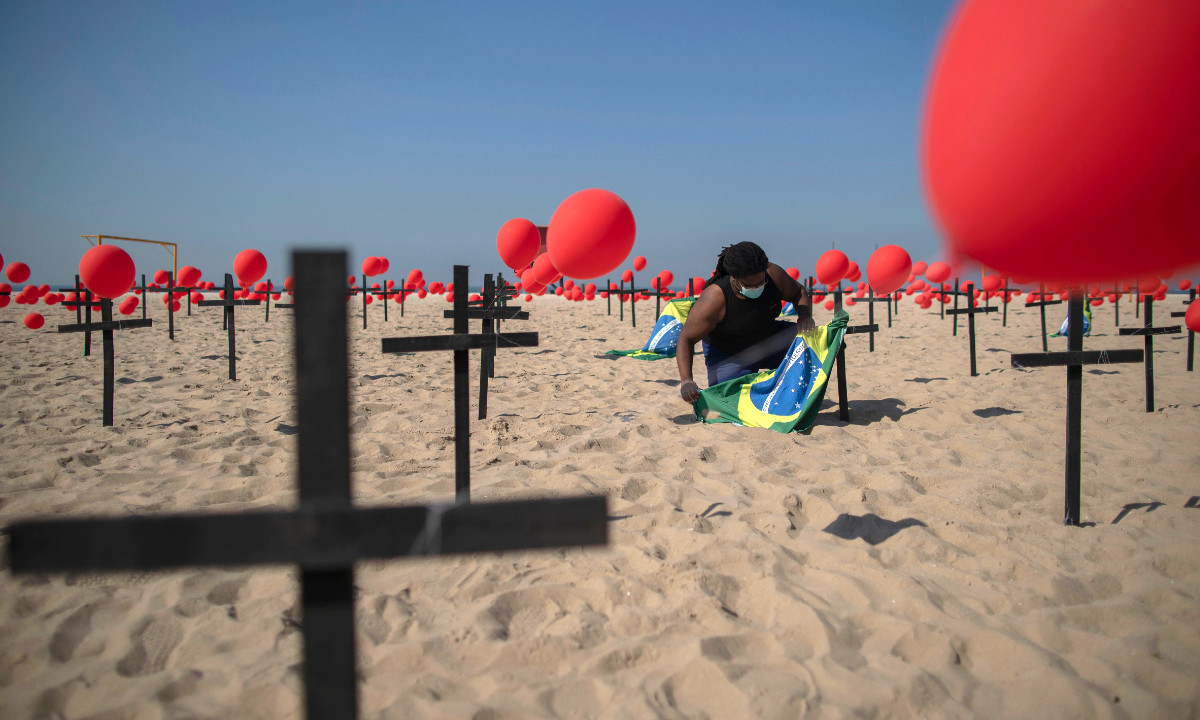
(911, 563)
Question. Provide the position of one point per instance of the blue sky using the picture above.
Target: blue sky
(415, 130)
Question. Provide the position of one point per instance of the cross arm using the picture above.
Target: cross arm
(215, 303)
(495, 313)
(459, 341)
(1168, 330)
(97, 327)
(972, 311)
(859, 329)
(1077, 357)
(315, 539)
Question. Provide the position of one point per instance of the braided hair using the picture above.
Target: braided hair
(740, 260)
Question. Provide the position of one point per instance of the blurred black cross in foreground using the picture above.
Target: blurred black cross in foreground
(327, 534)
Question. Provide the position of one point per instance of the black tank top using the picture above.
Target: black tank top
(746, 321)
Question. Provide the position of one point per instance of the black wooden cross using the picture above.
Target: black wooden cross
(229, 302)
(1149, 331)
(461, 342)
(1074, 359)
(384, 293)
(170, 289)
(840, 358)
(1006, 297)
(970, 311)
(1041, 305)
(1191, 351)
(267, 302)
(327, 534)
(105, 327)
(870, 300)
(85, 302)
(487, 310)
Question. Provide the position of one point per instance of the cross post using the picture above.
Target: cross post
(228, 302)
(970, 311)
(327, 534)
(1074, 359)
(1149, 331)
(1191, 351)
(106, 326)
(490, 313)
(461, 342)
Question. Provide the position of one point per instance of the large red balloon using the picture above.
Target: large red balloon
(832, 267)
(1061, 138)
(17, 272)
(590, 234)
(888, 268)
(937, 272)
(107, 271)
(249, 266)
(518, 243)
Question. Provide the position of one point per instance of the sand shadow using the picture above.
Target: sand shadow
(1147, 506)
(130, 381)
(606, 356)
(870, 527)
(1105, 372)
(671, 383)
(1193, 502)
(995, 412)
(393, 375)
(923, 379)
(687, 419)
(865, 412)
(286, 429)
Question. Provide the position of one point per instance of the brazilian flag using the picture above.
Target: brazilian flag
(787, 398)
(665, 335)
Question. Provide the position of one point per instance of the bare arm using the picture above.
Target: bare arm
(794, 293)
(704, 316)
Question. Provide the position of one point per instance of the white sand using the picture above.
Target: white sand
(911, 563)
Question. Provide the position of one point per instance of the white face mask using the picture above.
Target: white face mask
(753, 292)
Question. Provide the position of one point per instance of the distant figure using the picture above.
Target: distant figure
(1087, 323)
(736, 318)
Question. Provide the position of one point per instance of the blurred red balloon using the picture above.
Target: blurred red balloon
(544, 270)
(590, 234)
(33, 321)
(667, 277)
(627, 276)
(937, 272)
(289, 283)
(383, 264)
(371, 266)
(853, 273)
(832, 266)
(249, 266)
(1060, 138)
(107, 271)
(828, 304)
(639, 263)
(888, 268)
(1192, 317)
(919, 268)
(518, 242)
(17, 272)
(1185, 284)
(793, 273)
(161, 277)
(991, 283)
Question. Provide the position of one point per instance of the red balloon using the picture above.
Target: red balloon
(1185, 284)
(828, 304)
(1192, 317)
(544, 270)
(853, 274)
(161, 277)
(639, 263)
(107, 271)
(590, 234)
(832, 266)
(918, 268)
(627, 276)
(189, 276)
(991, 283)
(17, 272)
(383, 264)
(518, 243)
(888, 268)
(33, 321)
(371, 266)
(1060, 138)
(249, 266)
(937, 272)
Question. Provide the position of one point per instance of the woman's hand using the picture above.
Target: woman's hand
(689, 391)
(805, 324)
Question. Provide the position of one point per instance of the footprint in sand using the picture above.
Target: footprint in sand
(152, 643)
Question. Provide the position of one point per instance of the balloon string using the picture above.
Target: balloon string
(429, 542)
